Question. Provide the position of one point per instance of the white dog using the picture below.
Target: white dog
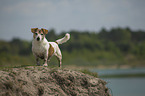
(43, 49)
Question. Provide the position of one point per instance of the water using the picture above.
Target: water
(124, 86)
(119, 71)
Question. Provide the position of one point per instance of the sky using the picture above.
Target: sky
(17, 17)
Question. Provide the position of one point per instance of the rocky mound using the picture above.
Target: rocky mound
(43, 81)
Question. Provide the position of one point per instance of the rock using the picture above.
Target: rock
(44, 81)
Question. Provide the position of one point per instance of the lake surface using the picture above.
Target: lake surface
(134, 86)
(118, 71)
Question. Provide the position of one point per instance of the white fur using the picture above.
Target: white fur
(64, 39)
(41, 48)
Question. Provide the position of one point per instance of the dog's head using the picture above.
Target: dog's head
(39, 34)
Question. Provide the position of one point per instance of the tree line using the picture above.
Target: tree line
(116, 44)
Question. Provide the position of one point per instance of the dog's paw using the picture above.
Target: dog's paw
(45, 65)
(38, 64)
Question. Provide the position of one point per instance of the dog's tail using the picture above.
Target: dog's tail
(64, 39)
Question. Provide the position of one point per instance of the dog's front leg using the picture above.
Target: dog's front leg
(45, 62)
(37, 61)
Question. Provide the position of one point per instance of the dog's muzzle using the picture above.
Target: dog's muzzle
(38, 39)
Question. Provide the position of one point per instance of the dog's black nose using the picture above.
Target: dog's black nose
(38, 39)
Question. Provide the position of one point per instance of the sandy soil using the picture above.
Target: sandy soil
(43, 81)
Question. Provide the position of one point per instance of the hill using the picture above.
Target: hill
(44, 81)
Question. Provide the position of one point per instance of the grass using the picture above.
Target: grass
(136, 75)
(85, 71)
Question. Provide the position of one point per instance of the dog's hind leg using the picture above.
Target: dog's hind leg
(59, 60)
(59, 57)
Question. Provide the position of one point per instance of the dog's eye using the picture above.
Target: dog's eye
(36, 34)
(41, 34)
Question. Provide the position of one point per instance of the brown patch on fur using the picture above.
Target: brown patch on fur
(50, 50)
(44, 31)
(33, 30)
(34, 35)
(56, 42)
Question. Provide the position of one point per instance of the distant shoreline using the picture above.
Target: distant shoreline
(136, 75)
(120, 75)
(102, 67)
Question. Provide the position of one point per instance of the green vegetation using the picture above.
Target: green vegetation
(85, 71)
(128, 75)
(115, 47)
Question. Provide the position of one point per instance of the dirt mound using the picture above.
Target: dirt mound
(43, 81)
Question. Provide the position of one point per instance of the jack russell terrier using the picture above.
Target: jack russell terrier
(43, 49)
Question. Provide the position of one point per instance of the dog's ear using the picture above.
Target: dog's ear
(33, 30)
(45, 31)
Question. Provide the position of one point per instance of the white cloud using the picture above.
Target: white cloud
(19, 16)
(28, 8)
